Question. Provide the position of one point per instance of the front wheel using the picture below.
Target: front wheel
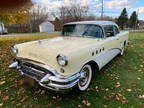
(86, 76)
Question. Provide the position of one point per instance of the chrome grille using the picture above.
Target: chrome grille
(32, 70)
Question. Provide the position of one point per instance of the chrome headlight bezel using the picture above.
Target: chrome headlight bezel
(62, 60)
(15, 49)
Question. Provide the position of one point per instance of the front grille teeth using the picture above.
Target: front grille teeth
(34, 71)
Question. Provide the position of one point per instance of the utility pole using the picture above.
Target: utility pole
(102, 10)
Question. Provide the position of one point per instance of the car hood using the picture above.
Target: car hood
(46, 51)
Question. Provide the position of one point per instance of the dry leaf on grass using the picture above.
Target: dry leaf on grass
(23, 99)
(117, 98)
(107, 89)
(134, 84)
(1, 104)
(129, 90)
(1, 83)
(140, 103)
(119, 94)
(124, 102)
(105, 106)
(139, 78)
(141, 96)
(79, 106)
(54, 97)
(42, 92)
(86, 103)
(5, 98)
(118, 85)
(37, 92)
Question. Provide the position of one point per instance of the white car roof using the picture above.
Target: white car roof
(100, 23)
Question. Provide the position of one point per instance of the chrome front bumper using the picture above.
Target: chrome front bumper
(46, 76)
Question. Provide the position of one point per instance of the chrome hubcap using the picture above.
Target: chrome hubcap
(84, 77)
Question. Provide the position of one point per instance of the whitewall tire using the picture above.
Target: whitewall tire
(86, 76)
(122, 51)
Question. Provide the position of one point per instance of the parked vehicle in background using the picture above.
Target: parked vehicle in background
(3, 30)
(71, 59)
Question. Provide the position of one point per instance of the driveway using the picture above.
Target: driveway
(28, 34)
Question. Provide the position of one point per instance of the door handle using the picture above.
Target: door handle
(117, 39)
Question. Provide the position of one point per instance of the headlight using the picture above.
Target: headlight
(62, 60)
(15, 49)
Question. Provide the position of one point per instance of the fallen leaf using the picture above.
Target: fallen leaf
(1, 83)
(113, 94)
(141, 96)
(124, 102)
(79, 106)
(105, 106)
(107, 89)
(54, 97)
(42, 92)
(134, 84)
(18, 104)
(129, 90)
(23, 99)
(5, 98)
(118, 85)
(139, 78)
(86, 103)
(88, 89)
(96, 87)
(1, 104)
(140, 70)
(140, 103)
(119, 94)
(117, 98)
(21, 82)
(124, 98)
(38, 91)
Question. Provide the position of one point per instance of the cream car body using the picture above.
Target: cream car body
(78, 50)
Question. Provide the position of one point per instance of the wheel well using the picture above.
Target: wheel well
(94, 66)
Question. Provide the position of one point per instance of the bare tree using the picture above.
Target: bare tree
(74, 12)
(37, 15)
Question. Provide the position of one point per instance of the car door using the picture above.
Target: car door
(110, 45)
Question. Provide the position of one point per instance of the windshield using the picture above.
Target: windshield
(83, 30)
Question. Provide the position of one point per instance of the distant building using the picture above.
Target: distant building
(3, 30)
(141, 24)
(46, 26)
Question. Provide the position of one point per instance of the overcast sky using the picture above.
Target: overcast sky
(112, 8)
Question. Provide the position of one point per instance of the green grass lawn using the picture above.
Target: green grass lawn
(120, 84)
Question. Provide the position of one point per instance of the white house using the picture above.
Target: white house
(46, 26)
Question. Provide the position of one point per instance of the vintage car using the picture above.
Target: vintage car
(69, 60)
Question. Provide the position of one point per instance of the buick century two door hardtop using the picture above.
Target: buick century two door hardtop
(69, 60)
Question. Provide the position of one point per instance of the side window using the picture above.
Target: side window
(116, 30)
(94, 31)
(109, 31)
